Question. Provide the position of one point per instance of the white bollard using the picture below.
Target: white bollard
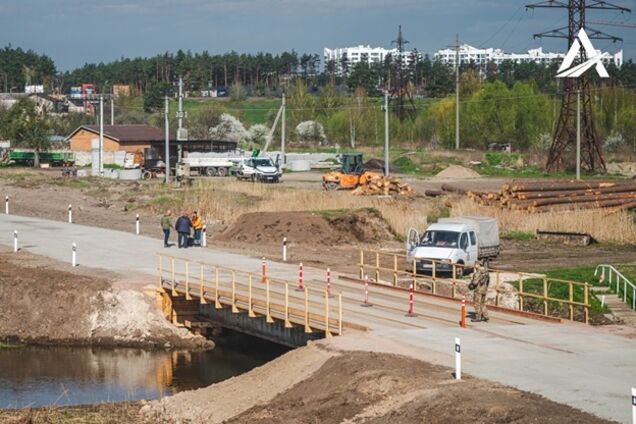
(284, 249)
(633, 405)
(6, 205)
(137, 224)
(74, 255)
(458, 359)
(204, 238)
(15, 240)
(602, 301)
(70, 214)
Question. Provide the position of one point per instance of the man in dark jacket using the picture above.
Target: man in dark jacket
(183, 226)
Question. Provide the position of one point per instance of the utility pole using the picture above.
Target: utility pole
(457, 91)
(101, 136)
(180, 122)
(112, 111)
(578, 134)
(166, 158)
(386, 133)
(282, 132)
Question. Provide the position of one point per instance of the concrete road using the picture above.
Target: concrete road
(569, 363)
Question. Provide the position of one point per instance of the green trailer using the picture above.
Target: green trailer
(53, 158)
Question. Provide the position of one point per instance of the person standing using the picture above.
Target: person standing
(479, 284)
(197, 226)
(183, 227)
(166, 225)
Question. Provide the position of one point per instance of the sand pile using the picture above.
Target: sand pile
(456, 172)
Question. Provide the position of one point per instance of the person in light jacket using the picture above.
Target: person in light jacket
(166, 225)
(197, 226)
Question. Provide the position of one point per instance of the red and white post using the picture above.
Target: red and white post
(263, 271)
(329, 282)
(410, 312)
(366, 303)
(300, 278)
(284, 249)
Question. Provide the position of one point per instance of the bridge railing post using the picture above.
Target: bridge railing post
(361, 264)
(187, 280)
(201, 284)
(268, 312)
(287, 322)
(520, 292)
(377, 267)
(414, 273)
(160, 272)
(586, 300)
(307, 327)
(340, 314)
(327, 330)
(250, 311)
(545, 297)
(173, 283)
(234, 308)
(217, 300)
(395, 270)
(571, 300)
(497, 286)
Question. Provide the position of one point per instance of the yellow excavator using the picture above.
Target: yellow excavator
(351, 174)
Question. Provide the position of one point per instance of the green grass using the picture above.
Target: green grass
(251, 111)
(6, 345)
(518, 235)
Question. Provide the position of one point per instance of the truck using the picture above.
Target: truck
(260, 169)
(460, 240)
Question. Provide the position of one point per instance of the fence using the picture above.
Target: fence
(617, 281)
(546, 296)
(311, 308)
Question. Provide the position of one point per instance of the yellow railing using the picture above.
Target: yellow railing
(445, 279)
(243, 291)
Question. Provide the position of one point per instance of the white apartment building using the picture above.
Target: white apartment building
(481, 57)
(368, 54)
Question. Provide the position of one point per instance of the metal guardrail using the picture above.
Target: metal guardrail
(620, 281)
(396, 268)
(243, 291)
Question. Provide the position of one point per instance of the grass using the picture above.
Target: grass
(6, 345)
(618, 228)
(518, 235)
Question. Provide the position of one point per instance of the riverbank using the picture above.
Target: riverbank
(48, 303)
(319, 384)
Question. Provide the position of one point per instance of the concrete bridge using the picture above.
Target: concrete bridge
(568, 362)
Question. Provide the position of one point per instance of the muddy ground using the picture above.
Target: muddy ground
(312, 240)
(43, 304)
(315, 385)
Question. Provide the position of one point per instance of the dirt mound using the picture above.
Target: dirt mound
(324, 227)
(379, 388)
(456, 171)
(374, 164)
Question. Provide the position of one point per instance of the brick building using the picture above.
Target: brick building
(128, 138)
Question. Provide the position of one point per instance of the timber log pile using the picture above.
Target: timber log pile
(387, 186)
(548, 196)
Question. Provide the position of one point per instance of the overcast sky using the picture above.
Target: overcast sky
(74, 32)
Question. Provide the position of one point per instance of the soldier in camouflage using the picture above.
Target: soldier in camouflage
(479, 284)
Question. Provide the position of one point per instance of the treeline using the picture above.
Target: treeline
(25, 67)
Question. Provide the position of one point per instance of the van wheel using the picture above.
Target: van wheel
(459, 270)
(221, 172)
(210, 172)
(146, 175)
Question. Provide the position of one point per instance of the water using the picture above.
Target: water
(42, 376)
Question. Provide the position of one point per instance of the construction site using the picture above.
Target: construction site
(351, 245)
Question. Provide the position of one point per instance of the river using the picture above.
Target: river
(40, 376)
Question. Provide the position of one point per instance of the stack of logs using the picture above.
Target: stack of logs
(381, 185)
(544, 196)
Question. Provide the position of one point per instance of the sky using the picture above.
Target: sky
(74, 32)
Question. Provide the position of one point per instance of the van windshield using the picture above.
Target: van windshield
(263, 162)
(440, 239)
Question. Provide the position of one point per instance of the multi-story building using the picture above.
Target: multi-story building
(346, 57)
(482, 57)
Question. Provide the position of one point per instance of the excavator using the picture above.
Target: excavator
(350, 175)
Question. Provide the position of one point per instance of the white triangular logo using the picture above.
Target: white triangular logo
(593, 59)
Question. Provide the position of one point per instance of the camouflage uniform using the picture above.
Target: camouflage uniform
(479, 283)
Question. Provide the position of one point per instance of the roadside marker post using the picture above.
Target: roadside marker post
(15, 241)
(633, 405)
(263, 271)
(284, 249)
(462, 313)
(6, 205)
(329, 283)
(137, 224)
(300, 278)
(410, 312)
(70, 214)
(366, 303)
(602, 301)
(204, 236)
(74, 255)
(458, 359)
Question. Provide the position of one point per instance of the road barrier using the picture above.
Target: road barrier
(550, 297)
(226, 287)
